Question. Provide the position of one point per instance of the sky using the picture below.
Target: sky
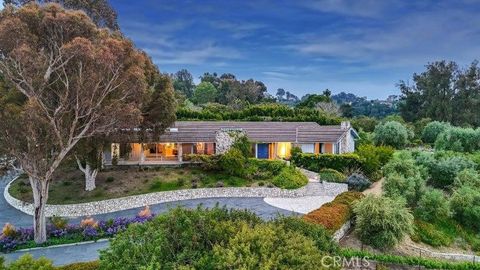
(363, 47)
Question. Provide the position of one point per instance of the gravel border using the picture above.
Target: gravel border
(125, 203)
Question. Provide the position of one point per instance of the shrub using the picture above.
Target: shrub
(444, 171)
(374, 158)
(411, 188)
(432, 206)
(404, 166)
(364, 123)
(266, 247)
(429, 234)
(467, 177)
(207, 162)
(465, 205)
(27, 262)
(290, 178)
(81, 266)
(266, 165)
(233, 162)
(243, 144)
(331, 175)
(459, 140)
(358, 182)
(391, 133)
(181, 237)
(295, 151)
(316, 162)
(382, 222)
(59, 223)
(317, 233)
(432, 130)
(334, 214)
(110, 179)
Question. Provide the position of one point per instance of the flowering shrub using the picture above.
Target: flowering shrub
(88, 229)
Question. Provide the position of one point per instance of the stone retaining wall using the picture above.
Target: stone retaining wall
(113, 205)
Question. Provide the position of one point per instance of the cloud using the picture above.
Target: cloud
(237, 30)
(195, 56)
(363, 8)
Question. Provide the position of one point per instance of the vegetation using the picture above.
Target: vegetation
(115, 183)
(392, 133)
(334, 214)
(432, 130)
(317, 162)
(358, 182)
(382, 222)
(219, 235)
(331, 175)
(290, 178)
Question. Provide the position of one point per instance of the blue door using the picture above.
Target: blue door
(262, 150)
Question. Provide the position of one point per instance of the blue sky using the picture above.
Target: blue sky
(364, 47)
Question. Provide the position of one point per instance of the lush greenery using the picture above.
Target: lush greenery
(442, 189)
(382, 222)
(317, 162)
(334, 214)
(290, 178)
(217, 239)
(410, 260)
(358, 182)
(459, 140)
(432, 130)
(258, 112)
(331, 175)
(443, 92)
(392, 133)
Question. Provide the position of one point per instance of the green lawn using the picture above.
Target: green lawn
(68, 184)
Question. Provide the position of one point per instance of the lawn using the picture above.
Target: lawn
(68, 184)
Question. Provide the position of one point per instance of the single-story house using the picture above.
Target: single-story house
(270, 140)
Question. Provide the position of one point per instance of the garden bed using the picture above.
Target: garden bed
(68, 184)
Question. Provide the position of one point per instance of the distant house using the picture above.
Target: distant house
(270, 140)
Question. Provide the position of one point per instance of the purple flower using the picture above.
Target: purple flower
(90, 232)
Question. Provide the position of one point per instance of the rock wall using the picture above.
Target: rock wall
(224, 139)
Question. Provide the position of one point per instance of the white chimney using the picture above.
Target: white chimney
(345, 125)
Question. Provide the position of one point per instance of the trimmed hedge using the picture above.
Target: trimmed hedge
(334, 214)
(331, 175)
(317, 162)
(290, 178)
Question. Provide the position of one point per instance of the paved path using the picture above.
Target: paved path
(89, 252)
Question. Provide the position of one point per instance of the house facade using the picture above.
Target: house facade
(270, 140)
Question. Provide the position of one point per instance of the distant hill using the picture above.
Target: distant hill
(353, 105)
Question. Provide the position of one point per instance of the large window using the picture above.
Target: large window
(283, 149)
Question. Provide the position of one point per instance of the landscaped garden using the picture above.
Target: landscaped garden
(232, 169)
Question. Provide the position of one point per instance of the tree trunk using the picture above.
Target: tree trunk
(40, 197)
(90, 175)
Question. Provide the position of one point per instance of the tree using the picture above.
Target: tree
(183, 83)
(444, 92)
(329, 108)
(78, 81)
(280, 94)
(311, 100)
(100, 11)
(391, 133)
(432, 130)
(382, 222)
(204, 92)
(88, 154)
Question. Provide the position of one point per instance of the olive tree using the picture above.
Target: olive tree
(77, 81)
(392, 133)
(382, 222)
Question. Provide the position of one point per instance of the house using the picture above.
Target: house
(270, 140)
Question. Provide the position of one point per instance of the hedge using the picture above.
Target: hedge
(334, 214)
(290, 178)
(317, 162)
(331, 175)
(81, 266)
(410, 260)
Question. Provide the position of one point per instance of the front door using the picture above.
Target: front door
(262, 150)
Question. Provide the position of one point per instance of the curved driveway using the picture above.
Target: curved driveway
(89, 252)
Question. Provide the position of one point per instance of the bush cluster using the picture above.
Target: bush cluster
(290, 178)
(217, 238)
(382, 222)
(317, 162)
(392, 133)
(358, 182)
(459, 140)
(373, 158)
(432, 130)
(334, 214)
(331, 175)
